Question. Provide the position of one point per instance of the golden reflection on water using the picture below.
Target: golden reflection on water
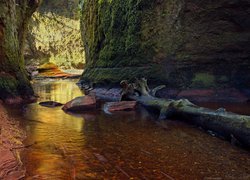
(124, 145)
(57, 90)
(51, 129)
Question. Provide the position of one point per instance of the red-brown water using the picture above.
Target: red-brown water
(125, 145)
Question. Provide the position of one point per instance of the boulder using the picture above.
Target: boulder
(82, 103)
(119, 106)
(50, 104)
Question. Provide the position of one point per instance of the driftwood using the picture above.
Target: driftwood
(231, 126)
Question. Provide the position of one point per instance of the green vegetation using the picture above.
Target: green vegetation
(55, 37)
(204, 80)
(125, 35)
(112, 36)
(180, 39)
(8, 85)
(114, 75)
(13, 78)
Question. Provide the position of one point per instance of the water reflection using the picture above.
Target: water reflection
(240, 108)
(124, 145)
(57, 90)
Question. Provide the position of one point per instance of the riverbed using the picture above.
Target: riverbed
(124, 145)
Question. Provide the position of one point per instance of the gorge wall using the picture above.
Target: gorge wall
(54, 35)
(182, 43)
(14, 18)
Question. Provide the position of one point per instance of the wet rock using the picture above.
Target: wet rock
(34, 73)
(82, 103)
(50, 104)
(11, 137)
(16, 100)
(31, 68)
(50, 70)
(101, 158)
(106, 94)
(119, 106)
(8, 163)
(46, 67)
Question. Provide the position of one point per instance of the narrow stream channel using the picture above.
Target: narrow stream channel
(94, 145)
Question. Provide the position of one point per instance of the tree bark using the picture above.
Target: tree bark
(229, 125)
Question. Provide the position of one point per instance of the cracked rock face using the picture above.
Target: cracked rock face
(185, 44)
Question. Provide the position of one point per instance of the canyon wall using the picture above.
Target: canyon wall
(54, 35)
(14, 18)
(181, 43)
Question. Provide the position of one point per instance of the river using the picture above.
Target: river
(124, 145)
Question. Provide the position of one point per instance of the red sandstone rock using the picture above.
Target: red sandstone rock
(11, 137)
(81, 103)
(14, 100)
(47, 66)
(50, 70)
(19, 100)
(120, 106)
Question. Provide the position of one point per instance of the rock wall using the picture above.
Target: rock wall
(54, 35)
(14, 18)
(182, 43)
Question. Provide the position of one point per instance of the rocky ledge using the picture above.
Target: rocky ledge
(11, 137)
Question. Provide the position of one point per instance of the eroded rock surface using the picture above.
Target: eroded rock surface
(184, 44)
(120, 106)
(81, 103)
(14, 18)
(11, 137)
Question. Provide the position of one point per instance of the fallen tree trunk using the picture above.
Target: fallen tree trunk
(231, 126)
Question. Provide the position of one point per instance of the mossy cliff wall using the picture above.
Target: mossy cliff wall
(183, 43)
(54, 35)
(14, 17)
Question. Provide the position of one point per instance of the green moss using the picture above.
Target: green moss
(8, 85)
(203, 80)
(115, 75)
(177, 36)
(62, 44)
(125, 34)
(112, 35)
(13, 77)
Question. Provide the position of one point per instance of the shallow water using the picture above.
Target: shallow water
(124, 145)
